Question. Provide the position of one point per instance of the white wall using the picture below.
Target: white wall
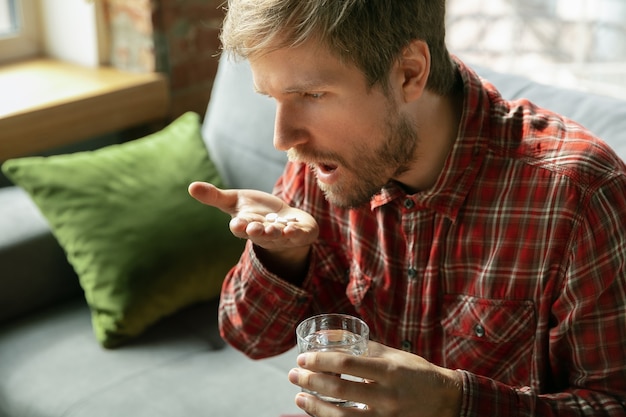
(70, 31)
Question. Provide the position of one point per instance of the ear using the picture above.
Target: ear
(413, 69)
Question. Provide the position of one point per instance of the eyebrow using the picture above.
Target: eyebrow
(263, 93)
(309, 85)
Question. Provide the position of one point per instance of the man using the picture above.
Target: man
(483, 241)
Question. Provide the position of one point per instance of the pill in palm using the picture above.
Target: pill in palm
(275, 218)
(271, 217)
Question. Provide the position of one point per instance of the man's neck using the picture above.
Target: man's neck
(437, 120)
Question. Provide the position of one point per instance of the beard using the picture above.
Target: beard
(368, 169)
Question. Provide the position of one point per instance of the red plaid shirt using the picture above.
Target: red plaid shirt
(511, 268)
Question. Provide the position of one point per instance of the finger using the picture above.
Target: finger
(206, 193)
(250, 228)
(257, 229)
(316, 407)
(365, 367)
(332, 386)
(300, 234)
(238, 227)
(272, 231)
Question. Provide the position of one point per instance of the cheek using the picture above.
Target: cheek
(362, 119)
(350, 123)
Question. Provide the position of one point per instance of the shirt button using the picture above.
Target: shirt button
(406, 345)
(479, 330)
(409, 204)
(412, 273)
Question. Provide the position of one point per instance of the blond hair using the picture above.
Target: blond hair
(371, 34)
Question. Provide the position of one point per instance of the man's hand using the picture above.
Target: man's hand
(398, 384)
(284, 244)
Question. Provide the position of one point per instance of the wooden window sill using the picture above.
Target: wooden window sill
(46, 104)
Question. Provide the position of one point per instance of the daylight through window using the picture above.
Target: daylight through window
(9, 18)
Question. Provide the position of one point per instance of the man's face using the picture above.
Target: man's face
(354, 139)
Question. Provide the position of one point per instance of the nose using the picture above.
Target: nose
(287, 132)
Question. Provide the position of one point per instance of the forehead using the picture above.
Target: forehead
(306, 66)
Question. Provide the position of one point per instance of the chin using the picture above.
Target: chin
(337, 196)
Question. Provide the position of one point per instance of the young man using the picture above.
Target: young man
(483, 241)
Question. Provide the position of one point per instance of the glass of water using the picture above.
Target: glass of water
(334, 333)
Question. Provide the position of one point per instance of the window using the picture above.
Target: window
(9, 23)
(19, 27)
(571, 43)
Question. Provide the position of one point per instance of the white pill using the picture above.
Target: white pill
(275, 218)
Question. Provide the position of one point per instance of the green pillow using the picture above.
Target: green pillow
(141, 246)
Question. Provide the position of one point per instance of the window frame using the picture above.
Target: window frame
(26, 43)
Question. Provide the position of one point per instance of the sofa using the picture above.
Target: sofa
(53, 364)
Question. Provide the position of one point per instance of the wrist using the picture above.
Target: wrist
(289, 264)
(453, 393)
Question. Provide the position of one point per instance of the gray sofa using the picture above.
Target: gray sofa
(50, 363)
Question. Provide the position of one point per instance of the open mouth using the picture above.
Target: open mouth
(327, 168)
(327, 173)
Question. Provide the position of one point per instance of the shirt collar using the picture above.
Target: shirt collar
(448, 193)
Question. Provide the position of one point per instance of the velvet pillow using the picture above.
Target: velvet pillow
(141, 246)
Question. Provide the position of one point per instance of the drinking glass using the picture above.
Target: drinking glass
(334, 333)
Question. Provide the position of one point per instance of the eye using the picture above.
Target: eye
(313, 96)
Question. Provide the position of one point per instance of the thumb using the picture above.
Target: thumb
(209, 194)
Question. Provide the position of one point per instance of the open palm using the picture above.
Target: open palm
(249, 208)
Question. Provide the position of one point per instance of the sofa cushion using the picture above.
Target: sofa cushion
(142, 248)
(178, 368)
(604, 116)
(239, 127)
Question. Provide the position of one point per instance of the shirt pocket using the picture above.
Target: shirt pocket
(489, 337)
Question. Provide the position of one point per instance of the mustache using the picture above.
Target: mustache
(311, 157)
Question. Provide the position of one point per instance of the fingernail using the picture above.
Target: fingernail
(294, 375)
(301, 400)
(301, 359)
